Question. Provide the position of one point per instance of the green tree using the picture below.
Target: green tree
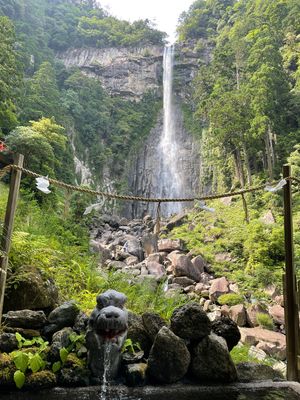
(9, 75)
(41, 97)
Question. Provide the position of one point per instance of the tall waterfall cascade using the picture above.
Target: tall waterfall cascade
(168, 162)
(170, 178)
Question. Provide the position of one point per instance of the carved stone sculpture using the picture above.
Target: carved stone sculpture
(107, 330)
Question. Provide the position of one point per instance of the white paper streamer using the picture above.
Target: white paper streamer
(279, 186)
(42, 184)
(96, 207)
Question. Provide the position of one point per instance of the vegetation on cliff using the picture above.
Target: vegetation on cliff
(246, 100)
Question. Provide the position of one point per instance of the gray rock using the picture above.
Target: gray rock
(227, 329)
(153, 322)
(133, 247)
(60, 339)
(177, 220)
(190, 322)
(25, 319)
(183, 281)
(250, 372)
(137, 332)
(169, 357)
(81, 322)
(8, 342)
(211, 361)
(61, 317)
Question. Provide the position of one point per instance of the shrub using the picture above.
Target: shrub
(265, 321)
(231, 299)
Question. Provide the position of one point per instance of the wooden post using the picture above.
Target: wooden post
(8, 225)
(290, 291)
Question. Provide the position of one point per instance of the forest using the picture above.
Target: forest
(242, 107)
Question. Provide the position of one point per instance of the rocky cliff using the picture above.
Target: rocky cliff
(126, 72)
(130, 73)
(144, 173)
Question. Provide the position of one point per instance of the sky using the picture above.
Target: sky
(164, 13)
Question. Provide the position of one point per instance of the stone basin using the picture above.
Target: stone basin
(266, 390)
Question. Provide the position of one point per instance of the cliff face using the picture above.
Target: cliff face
(130, 73)
(125, 72)
(144, 174)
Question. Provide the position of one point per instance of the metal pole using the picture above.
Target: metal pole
(290, 290)
(8, 225)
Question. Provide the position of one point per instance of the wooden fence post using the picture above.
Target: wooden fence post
(8, 225)
(290, 290)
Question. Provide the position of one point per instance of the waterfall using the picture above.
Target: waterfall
(170, 184)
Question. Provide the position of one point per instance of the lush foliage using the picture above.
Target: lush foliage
(250, 254)
(246, 100)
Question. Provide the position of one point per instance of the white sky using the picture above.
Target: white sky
(164, 13)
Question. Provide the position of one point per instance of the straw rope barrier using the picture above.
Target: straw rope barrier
(67, 186)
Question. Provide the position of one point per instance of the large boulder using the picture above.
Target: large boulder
(137, 332)
(277, 313)
(61, 317)
(211, 361)
(190, 322)
(183, 266)
(60, 339)
(133, 246)
(218, 287)
(228, 330)
(34, 291)
(169, 245)
(153, 322)
(8, 342)
(252, 311)
(238, 314)
(169, 357)
(25, 319)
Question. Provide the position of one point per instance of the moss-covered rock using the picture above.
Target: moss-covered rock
(40, 380)
(74, 372)
(7, 370)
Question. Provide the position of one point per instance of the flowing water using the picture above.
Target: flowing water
(170, 178)
(105, 381)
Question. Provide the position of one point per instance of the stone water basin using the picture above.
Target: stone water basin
(267, 390)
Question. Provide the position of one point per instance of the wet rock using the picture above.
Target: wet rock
(25, 319)
(74, 372)
(153, 322)
(81, 323)
(35, 291)
(26, 333)
(238, 314)
(211, 361)
(169, 357)
(190, 322)
(250, 372)
(8, 342)
(137, 332)
(218, 287)
(61, 317)
(60, 339)
(228, 330)
(135, 374)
